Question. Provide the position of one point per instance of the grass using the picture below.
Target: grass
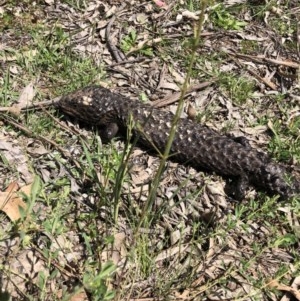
(223, 19)
(239, 88)
(91, 231)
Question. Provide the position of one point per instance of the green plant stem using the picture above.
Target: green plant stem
(156, 181)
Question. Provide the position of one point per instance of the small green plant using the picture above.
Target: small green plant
(144, 255)
(129, 41)
(147, 51)
(193, 5)
(286, 240)
(283, 28)
(249, 46)
(223, 19)
(238, 88)
(54, 58)
(282, 148)
(97, 284)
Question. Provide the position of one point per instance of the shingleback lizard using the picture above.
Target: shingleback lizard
(194, 144)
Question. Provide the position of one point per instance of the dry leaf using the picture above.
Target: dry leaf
(119, 250)
(81, 296)
(177, 76)
(25, 98)
(16, 158)
(271, 127)
(169, 86)
(141, 18)
(282, 287)
(190, 15)
(191, 111)
(10, 201)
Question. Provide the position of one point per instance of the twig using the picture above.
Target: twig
(161, 76)
(31, 134)
(36, 106)
(262, 59)
(263, 79)
(130, 61)
(72, 131)
(114, 51)
(173, 97)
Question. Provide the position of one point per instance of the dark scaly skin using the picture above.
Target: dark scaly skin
(195, 144)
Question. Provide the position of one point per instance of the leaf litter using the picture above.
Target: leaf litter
(186, 196)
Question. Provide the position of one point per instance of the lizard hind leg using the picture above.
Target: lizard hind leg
(238, 187)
